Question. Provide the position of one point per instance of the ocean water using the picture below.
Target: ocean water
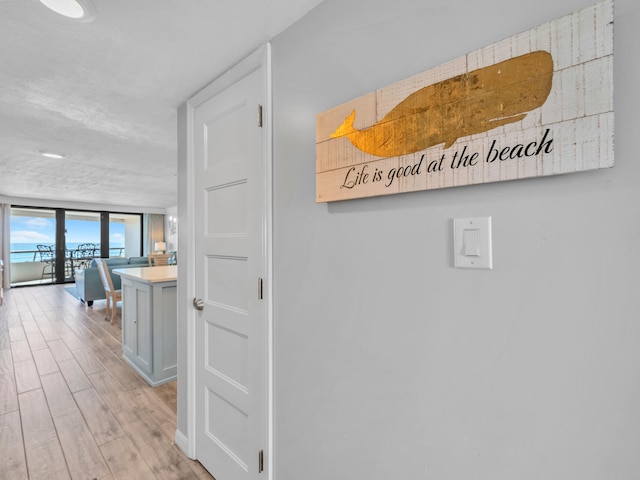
(28, 252)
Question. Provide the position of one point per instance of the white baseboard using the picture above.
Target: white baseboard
(183, 442)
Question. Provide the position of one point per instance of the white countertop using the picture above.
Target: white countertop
(149, 274)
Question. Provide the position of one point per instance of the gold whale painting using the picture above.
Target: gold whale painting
(536, 104)
(464, 105)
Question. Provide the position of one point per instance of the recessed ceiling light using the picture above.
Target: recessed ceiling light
(57, 156)
(80, 10)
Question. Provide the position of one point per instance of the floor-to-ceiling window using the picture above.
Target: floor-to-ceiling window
(125, 235)
(51, 245)
(82, 239)
(33, 246)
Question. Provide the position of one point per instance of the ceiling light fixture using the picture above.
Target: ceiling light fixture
(79, 10)
(57, 156)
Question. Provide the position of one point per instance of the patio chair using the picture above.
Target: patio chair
(83, 254)
(112, 295)
(48, 257)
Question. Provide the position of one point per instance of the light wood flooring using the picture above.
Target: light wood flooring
(70, 406)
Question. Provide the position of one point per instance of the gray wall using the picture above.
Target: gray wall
(390, 363)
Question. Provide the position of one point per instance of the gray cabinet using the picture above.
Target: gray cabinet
(149, 322)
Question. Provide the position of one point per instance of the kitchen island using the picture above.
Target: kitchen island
(149, 321)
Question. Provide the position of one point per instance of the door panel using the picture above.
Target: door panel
(228, 287)
(230, 425)
(219, 221)
(230, 210)
(227, 354)
(144, 333)
(128, 328)
(224, 128)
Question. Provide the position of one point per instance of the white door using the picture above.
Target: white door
(230, 207)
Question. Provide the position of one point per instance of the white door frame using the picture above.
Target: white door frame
(186, 241)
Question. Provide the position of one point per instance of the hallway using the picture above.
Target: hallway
(70, 406)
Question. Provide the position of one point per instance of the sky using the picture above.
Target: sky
(41, 230)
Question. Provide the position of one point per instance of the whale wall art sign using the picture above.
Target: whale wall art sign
(536, 104)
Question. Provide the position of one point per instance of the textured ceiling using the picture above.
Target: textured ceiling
(104, 93)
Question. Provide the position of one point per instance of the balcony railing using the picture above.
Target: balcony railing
(28, 267)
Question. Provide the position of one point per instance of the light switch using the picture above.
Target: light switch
(472, 243)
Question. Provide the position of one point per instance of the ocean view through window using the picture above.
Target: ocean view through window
(50, 245)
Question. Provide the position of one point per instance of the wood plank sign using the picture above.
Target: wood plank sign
(536, 104)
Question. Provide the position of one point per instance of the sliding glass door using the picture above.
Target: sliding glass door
(33, 246)
(82, 240)
(51, 245)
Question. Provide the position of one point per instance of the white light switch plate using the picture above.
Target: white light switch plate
(472, 243)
